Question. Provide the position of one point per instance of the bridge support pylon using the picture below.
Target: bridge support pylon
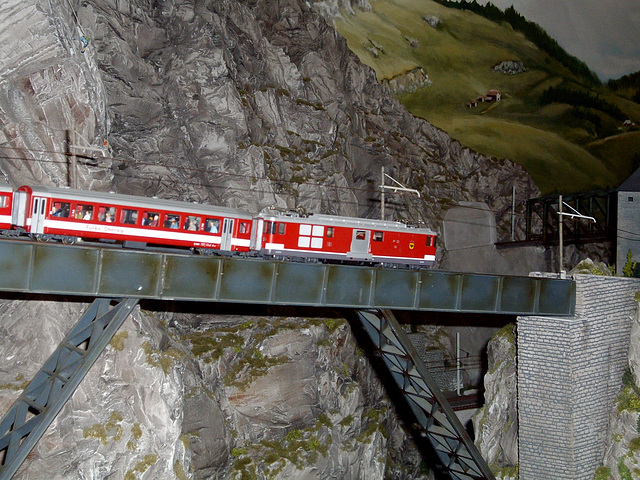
(32, 413)
(457, 453)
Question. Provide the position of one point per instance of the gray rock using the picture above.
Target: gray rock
(408, 81)
(510, 67)
(432, 21)
(496, 423)
(621, 452)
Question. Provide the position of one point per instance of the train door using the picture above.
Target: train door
(37, 214)
(19, 208)
(256, 234)
(227, 234)
(360, 241)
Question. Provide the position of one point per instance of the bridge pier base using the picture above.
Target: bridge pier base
(569, 374)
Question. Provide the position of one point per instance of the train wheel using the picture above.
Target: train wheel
(42, 238)
(68, 240)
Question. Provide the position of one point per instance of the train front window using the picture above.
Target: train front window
(60, 209)
(129, 216)
(378, 236)
(270, 228)
(192, 223)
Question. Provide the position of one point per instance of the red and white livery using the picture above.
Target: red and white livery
(343, 238)
(6, 193)
(68, 214)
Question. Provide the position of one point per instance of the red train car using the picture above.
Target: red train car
(66, 214)
(343, 238)
(6, 195)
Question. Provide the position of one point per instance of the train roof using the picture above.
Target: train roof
(353, 222)
(136, 201)
(5, 187)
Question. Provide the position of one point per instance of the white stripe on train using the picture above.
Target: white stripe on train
(79, 228)
(280, 249)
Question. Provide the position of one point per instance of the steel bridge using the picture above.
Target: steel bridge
(124, 277)
(543, 219)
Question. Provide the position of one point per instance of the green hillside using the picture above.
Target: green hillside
(565, 128)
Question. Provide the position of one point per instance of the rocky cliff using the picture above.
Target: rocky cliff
(623, 452)
(197, 396)
(245, 104)
(496, 423)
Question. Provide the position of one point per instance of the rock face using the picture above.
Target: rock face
(510, 67)
(124, 418)
(622, 456)
(196, 396)
(408, 81)
(496, 423)
(244, 104)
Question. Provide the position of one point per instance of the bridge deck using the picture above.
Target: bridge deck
(97, 272)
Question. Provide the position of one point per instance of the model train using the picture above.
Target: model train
(46, 213)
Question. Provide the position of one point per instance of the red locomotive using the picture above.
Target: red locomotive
(343, 238)
(70, 215)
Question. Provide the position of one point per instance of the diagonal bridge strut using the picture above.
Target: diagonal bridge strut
(32, 413)
(457, 453)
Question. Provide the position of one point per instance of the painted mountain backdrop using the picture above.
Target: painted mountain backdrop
(501, 85)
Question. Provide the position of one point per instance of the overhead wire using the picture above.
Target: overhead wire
(239, 175)
(210, 172)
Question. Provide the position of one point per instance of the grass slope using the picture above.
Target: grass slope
(554, 144)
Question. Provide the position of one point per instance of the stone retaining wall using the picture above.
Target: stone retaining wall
(569, 374)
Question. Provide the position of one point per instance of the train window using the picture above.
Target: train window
(281, 228)
(83, 212)
(360, 235)
(106, 214)
(128, 216)
(171, 221)
(192, 223)
(378, 236)
(330, 232)
(431, 241)
(244, 227)
(305, 230)
(4, 201)
(150, 219)
(60, 209)
(270, 227)
(212, 225)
